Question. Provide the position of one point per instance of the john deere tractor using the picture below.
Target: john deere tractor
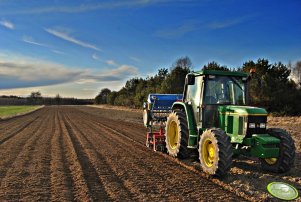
(212, 118)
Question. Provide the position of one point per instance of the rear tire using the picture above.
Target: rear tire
(215, 152)
(177, 135)
(286, 158)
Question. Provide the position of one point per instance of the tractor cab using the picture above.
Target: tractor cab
(207, 90)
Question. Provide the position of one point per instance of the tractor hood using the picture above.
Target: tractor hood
(242, 110)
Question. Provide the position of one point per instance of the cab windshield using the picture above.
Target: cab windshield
(225, 90)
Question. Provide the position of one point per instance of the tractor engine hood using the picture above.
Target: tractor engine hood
(242, 121)
(242, 110)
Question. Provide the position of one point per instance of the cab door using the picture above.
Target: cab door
(212, 87)
(193, 97)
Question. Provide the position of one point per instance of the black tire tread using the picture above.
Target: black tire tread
(182, 152)
(225, 152)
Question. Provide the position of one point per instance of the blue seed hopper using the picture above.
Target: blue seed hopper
(156, 110)
(158, 106)
(162, 101)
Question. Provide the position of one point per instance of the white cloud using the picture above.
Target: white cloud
(135, 59)
(126, 70)
(21, 72)
(58, 52)
(65, 90)
(98, 6)
(19, 91)
(118, 74)
(65, 36)
(27, 71)
(7, 24)
(194, 25)
(229, 22)
(225, 24)
(96, 57)
(180, 30)
(30, 40)
(111, 62)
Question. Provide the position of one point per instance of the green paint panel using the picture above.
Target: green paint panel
(266, 139)
(241, 110)
(263, 146)
(233, 119)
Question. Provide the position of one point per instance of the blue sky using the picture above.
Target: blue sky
(76, 48)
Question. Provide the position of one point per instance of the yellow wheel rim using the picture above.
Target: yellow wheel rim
(173, 135)
(271, 161)
(208, 153)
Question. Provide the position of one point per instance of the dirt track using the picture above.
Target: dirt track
(72, 153)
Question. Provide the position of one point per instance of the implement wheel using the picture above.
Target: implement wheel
(285, 161)
(215, 152)
(146, 117)
(176, 136)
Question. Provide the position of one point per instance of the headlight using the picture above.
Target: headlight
(262, 125)
(251, 125)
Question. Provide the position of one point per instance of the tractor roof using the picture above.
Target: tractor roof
(221, 73)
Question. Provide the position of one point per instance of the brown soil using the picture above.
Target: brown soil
(87, 154)
(246, 177)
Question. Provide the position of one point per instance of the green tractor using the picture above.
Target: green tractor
(213, 118)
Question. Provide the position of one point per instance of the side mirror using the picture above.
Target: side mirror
(190, 79)
(144, 105)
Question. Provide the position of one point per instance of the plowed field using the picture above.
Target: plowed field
(78, 153)
(246, 178)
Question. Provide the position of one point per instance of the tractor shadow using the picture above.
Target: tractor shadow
(247, 176)
(253, 165)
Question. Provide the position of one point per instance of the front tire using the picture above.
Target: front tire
(286, 158)
(177, 134)
(215, 152)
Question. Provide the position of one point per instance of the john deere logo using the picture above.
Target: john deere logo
(282, 191)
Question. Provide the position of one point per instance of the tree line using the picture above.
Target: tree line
(36, 98)
(277, 87)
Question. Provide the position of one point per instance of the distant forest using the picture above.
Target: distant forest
(278, 87)
(36, 98)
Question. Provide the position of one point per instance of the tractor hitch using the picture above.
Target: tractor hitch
(156, 140)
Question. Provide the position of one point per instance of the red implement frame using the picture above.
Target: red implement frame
(156, 140)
